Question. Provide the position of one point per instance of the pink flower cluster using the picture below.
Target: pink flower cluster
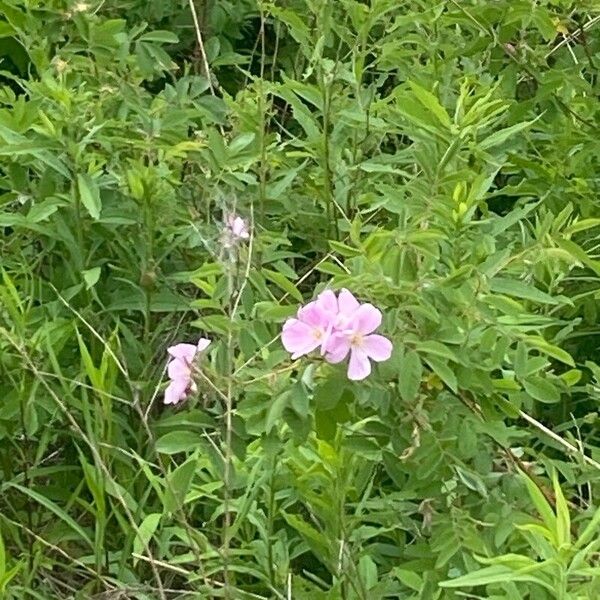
(338, 326)
(180, 370)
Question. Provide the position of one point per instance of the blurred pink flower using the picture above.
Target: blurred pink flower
(238, 228)
(339, 326)
(180, 370)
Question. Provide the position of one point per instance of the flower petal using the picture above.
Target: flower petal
(313, 315)
(175, 392)
(183, 351)
(347, 303)
(359, 365)
(337, 349)
(179, 369)
(203, 344)
(299, 338)
(377, 347)
(328, 302)
(366, 319)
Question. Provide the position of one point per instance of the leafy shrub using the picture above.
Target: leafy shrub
(438, 160)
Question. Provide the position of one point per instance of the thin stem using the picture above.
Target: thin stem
(566, 445)
(327, 183)
(263, 122)
(270, 521)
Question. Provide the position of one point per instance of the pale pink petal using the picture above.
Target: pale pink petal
(203, 344)
(314, 315)
(347, 303)
(337, 348)
(325, 340)
(311, 314)
(377, 347)
(178, 369)
(359, 365)
(183, 351)
(175, 392)
(366, 319)
(328, 301)
(238, 227)
(299, 338)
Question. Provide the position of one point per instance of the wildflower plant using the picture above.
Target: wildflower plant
(383, 216)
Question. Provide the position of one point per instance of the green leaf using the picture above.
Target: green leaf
(410, 579)
(56, 510)
(436, 348)
(178, 441)
(511, 287)
(328, 394)
(144, 534)
(89, 195)
(159, 36)
(551, 350)
(283, 282)
(178, 484)
(472, 480)
(563, 518)
(590, 532)
(91, 276)
(431, 103)
(541, 504)
(315, 540)
(409, 376)
(443, 371)
(491, 575)
(541, 389)
(499, 137)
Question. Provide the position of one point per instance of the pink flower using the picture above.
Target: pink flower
(238, 228)
(339, 326)
(180, 370)
(312, 326)
(357, 338)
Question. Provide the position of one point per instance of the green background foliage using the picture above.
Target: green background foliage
(439, 159)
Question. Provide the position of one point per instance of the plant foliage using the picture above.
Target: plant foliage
(439, 159)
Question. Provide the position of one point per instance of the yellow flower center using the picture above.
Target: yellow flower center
(356, 340)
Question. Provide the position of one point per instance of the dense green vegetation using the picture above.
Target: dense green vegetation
(438, 159)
